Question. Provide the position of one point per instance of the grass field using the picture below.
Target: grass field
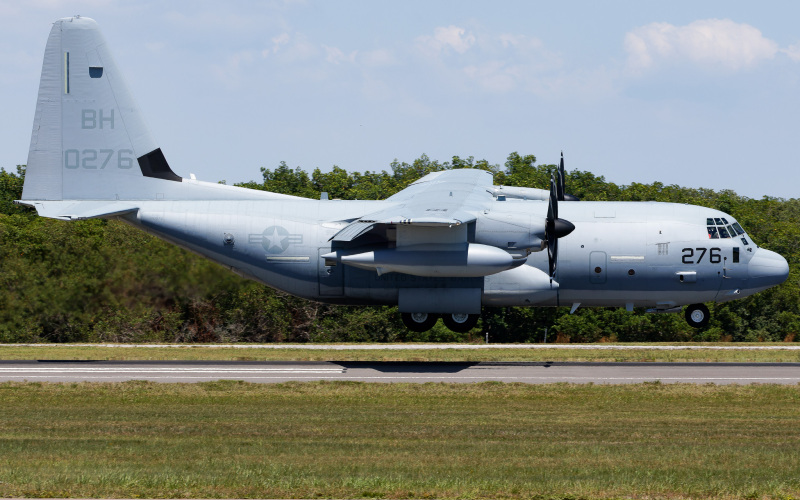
(354, 440)
(644, 352)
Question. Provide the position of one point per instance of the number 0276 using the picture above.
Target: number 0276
(98, 159)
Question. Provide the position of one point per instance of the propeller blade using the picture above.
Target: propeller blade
(550, 228)
(562, 183)
(561, 179)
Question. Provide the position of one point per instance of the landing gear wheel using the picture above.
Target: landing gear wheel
(419, 322)
(697, 315)
(460, 322)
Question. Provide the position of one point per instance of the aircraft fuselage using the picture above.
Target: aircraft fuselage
(624, 254)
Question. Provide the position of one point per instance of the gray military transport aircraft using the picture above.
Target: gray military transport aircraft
(445, 246)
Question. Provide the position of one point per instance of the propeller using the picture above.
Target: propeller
(550, 229)
(555, 228)
(562, 177)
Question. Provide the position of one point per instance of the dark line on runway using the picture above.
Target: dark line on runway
(368, 364)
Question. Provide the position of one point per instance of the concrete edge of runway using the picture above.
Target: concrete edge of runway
(400, 347)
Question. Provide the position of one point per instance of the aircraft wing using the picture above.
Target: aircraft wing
(447, 198)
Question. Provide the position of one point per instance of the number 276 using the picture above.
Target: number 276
(689, 253)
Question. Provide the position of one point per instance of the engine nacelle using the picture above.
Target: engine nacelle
(523, 286)
(514, 231)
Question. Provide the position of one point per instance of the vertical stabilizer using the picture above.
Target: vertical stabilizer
(89, 140)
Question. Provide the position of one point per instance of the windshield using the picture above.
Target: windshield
(720, 228)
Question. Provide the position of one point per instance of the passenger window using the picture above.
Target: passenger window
(712, 233)
(735, 254)
(723, 233)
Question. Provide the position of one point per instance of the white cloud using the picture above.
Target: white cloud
(793, 52)
(494, 75)
(377, 58)
(497, 63)
(291, 48)
(446, 38)
(215, 21)
(229, 72)
(335, 55)
(709, 42)
(279, 40)
(521, 42)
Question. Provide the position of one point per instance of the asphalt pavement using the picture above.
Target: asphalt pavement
(388, 372)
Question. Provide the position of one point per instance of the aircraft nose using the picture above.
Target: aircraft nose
(768, 268)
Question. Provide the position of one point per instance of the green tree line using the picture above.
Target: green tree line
(105, 281)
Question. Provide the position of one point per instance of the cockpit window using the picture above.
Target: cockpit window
(718, 227)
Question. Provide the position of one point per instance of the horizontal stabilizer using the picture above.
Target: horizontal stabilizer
(81, 210)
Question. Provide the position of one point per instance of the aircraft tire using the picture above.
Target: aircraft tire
(697, 315)
(459, 322)
(419, 322)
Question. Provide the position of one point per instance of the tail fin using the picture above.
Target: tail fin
(89, 140)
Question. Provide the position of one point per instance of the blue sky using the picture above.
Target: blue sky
(700, 94)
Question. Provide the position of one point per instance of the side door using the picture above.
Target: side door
(598, 263)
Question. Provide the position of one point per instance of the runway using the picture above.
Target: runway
(394, 372)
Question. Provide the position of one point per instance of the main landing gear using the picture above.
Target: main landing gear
(457, 322)
(419, 322)
(697, 315)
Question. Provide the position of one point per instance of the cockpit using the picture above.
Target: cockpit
(718, 227)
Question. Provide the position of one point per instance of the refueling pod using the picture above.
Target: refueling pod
(459, 260)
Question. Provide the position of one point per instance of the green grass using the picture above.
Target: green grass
(200, 352)
(355, 440)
